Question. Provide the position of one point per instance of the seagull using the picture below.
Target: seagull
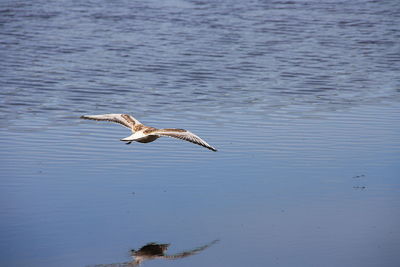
(146, 134)
(155, 251)
(158, 251)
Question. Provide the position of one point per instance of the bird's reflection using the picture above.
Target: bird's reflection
(155, 251)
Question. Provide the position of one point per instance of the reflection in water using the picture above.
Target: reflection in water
(156, 251)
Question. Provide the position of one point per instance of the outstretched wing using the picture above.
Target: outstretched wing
(184, 135)
(124, 119)
(122, 264)
(189, 252)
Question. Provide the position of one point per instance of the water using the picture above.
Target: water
(301, 98)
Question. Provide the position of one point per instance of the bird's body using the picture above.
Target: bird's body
(146, 134)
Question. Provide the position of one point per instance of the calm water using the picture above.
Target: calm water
(302, 99)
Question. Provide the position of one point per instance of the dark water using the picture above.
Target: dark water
(302, 99)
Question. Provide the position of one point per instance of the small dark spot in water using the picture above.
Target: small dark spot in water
(359, 176)
(359, 187)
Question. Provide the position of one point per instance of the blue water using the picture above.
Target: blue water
(301, 98)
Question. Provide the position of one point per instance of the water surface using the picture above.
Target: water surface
(301, 98)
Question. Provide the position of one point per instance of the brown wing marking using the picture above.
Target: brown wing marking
(123, 119)
(174, 130)
(149, 130)
(129, 119)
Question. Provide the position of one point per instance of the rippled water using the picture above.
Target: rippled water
(302, 99)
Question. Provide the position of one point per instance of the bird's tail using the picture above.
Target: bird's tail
(129, 138)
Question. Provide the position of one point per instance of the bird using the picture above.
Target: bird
(157, 251)
(154, 250)
(147, 134)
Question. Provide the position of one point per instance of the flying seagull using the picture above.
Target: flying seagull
(146, 134)
(155, 251)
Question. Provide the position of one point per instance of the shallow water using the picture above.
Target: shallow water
(302, 99)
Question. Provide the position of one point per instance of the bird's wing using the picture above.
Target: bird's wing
(124, 119)
(122, 264)
(189, 252)
(184, 135)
